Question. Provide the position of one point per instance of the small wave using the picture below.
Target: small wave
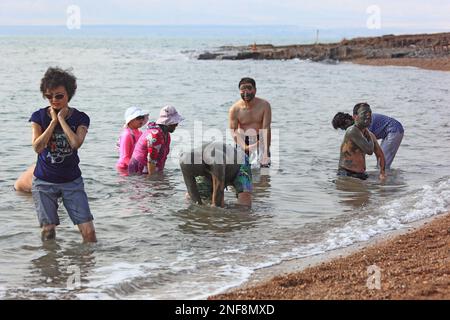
(12, 235)
(427, 202)
(239, 274)
(118, 273)
(397, 214)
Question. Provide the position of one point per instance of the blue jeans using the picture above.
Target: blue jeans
(390, 145)
(46, 194)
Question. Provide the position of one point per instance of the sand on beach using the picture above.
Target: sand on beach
(439, 64)
(415, 265)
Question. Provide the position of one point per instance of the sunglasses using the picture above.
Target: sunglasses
(57, 96)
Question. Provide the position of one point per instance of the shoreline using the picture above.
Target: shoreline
(426, 51)
(414, 264)
(435, 64)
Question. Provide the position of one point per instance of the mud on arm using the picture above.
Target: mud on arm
(380, 156)
(359, 139)
(191, 184)
(218, 182)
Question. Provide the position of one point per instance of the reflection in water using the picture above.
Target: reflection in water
(352, 192)
(144, 192)
(201, 218)
(261, 184)
(122, 172)
(395, 180)
(358, 193)
(62, 269)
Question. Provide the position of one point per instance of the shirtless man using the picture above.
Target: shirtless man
(359, 141)
(383, 127)
(249, 121)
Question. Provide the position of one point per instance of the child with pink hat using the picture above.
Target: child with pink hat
(151, 150)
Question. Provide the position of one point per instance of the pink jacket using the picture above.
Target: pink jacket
(127, 142)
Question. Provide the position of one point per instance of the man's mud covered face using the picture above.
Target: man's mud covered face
(364, 117)
(247, 92)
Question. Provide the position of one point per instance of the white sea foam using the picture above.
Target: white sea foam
(238, 274)
(49, 290)
(94, 296)
(427, 202)
(397, 214)
(118, 273)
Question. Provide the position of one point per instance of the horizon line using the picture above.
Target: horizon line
(216, 25)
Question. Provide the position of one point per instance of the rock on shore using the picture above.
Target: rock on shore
(419, 46)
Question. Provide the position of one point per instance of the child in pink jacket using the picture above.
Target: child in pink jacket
(134, 119)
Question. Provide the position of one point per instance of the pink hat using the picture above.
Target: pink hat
(169, 115)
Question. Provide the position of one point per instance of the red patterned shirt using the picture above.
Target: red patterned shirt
(152, 147)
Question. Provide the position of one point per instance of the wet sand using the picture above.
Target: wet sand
(414, 265)
(439, 64)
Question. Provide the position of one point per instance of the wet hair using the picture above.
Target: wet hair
(359, 105)
(55, 77)
(340, 120)
(247, 80)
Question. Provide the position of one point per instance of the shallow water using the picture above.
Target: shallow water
(155, 245)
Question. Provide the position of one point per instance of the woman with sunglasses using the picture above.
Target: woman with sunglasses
(58, 131)
(135, 118)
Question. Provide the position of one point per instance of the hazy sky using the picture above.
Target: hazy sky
(414, 14)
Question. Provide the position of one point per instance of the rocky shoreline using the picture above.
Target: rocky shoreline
(409, 50)
(414, 265)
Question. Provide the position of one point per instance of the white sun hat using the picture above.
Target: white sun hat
(134, 112)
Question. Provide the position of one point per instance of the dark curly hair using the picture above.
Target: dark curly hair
(342, 121)
(55, 77)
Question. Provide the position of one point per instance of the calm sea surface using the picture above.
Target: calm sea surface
(155, 245)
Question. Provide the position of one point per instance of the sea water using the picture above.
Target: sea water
(152, 244)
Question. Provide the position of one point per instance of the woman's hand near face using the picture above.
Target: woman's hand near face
(62, 114)
(53, 115)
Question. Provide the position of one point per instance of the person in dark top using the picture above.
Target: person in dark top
(58, 131)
